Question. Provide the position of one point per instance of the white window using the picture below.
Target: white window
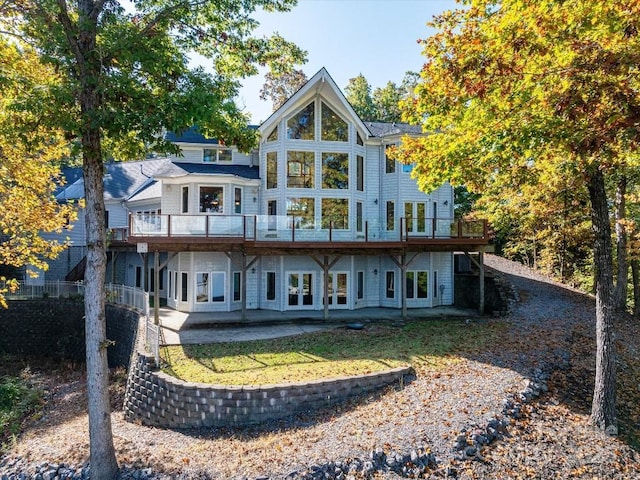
(210, 287)
(217, 287)
(217, 155)
(237, 286)
(417, 284)
(237, 200)
(211, 199)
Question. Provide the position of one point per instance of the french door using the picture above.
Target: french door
(300, 290)
(338, 287)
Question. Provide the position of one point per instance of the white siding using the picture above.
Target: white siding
(373, 204)
(270, 264)
(171, 201)
(118, 215)
(443, 264)
(189, 155)
(194, 154)
(75, 233)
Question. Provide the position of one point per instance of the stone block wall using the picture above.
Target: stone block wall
(54, 327)
(156, 399)
(496, 292)
(123, 327)
(47, 327)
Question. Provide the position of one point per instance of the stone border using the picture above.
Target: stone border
(156, 399)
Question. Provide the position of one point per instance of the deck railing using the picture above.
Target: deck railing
(291, 228)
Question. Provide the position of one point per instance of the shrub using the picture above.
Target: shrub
(18, 400)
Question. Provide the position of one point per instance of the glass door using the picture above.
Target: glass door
(300, 290)
(338, 287)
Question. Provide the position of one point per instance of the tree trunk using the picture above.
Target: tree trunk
(635, 275)
(603, 410)
(621, 246)
(102, 453)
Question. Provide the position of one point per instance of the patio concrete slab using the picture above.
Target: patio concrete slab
(195, 336)
(210, 327)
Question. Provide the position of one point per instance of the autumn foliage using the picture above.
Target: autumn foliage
(30, 155)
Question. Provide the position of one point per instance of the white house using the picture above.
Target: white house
(316, 218)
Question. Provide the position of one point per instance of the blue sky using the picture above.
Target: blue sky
(377, 38)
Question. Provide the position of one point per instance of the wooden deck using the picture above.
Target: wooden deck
(459, 236)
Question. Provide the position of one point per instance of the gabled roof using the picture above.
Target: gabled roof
(121, 179)
(177, 169)
(151, 190)
(316, 84)
(193, 135)
(380, 129)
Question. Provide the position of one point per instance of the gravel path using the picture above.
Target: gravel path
(427, 416)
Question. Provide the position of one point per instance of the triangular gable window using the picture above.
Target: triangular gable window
(301, 125)
(273, 136)
(359, 139)
(334, 129)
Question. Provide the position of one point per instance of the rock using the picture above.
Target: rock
(368, 468)
(50, 474)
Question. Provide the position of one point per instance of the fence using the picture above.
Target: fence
(119, 294)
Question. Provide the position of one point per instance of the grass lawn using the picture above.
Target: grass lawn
(427, 344)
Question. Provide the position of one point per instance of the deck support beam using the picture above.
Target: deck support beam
(402, 263)
(326, 265)
(156, 288)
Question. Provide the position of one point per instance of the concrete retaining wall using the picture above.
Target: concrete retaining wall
(156, 399)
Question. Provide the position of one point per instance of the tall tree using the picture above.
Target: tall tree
(29, 158)
(632, 228)
(279, 87)
(544, 223)
(386, 102)
(125, 77)
(620, 213)
(358, 93)
(511, 84)
(409, 83)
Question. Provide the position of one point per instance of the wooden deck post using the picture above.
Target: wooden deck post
(156, 288)
(403, 285)
(243, 293)
(145, 262)
(325, 269)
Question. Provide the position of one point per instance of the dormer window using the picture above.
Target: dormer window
(301, 125)
(334, 128)
(217, 155)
